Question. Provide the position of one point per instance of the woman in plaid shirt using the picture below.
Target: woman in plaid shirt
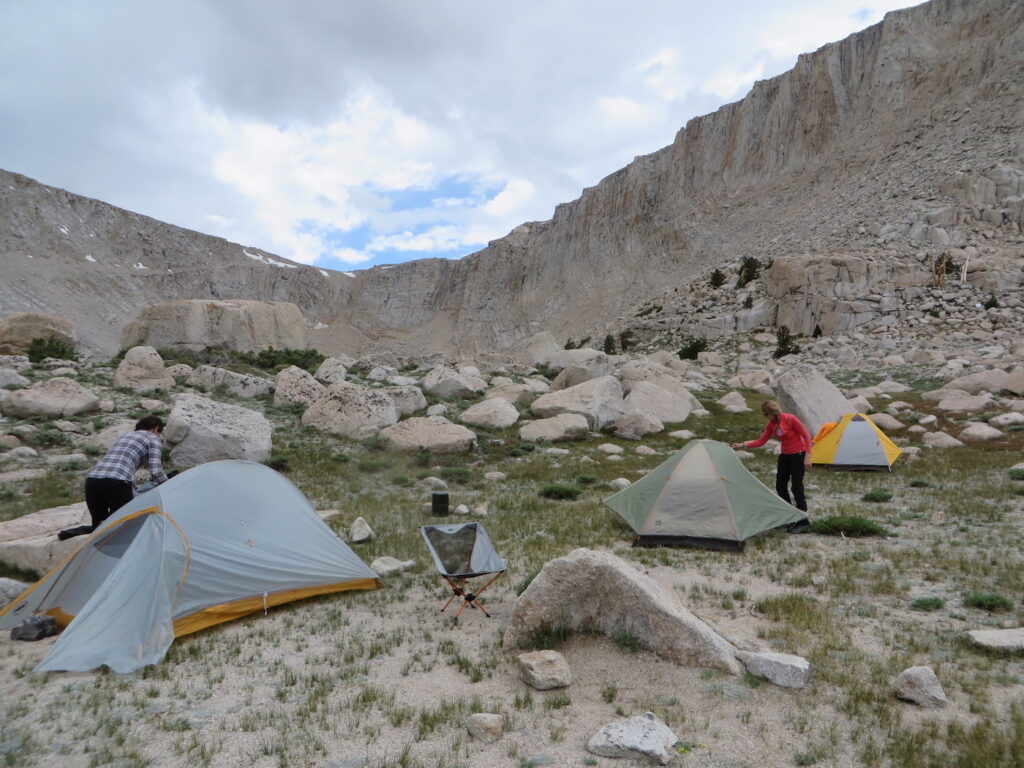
(111, 483)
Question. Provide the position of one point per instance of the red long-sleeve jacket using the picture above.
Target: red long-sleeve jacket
(789, 430)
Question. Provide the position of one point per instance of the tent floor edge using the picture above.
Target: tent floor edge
(856, 467)
(697, 542)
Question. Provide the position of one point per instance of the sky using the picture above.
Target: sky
(351, 133)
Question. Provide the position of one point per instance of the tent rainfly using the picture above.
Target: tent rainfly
(217, 542)
(702, 496)
(855, 442)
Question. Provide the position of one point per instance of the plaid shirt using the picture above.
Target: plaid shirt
(127, 454)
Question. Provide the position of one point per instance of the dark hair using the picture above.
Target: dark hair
(147, 423)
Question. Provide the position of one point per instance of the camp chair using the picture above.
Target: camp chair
(462, 552)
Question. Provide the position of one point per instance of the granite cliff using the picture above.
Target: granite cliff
(830, 156)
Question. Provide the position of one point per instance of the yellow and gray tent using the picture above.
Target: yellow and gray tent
(214, 543)
(855, 442)
(702, 496)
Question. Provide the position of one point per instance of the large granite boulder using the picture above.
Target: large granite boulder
(50, 399)
(331, 370)
(665, 405)
(812, 398)
(201, 324)
(975, 383)
(433, 433)
(210, 378)
(1014, 381)
(494, 412)
(637, 425)
(609, 597)
(408, 398)
(11, 378)
(599, 401)
(19, 329)
(519, 393)
(106, 436)
(30, 542)
(539, 348)
(200, 430)
(577, 373)
(350, 410)
(142, 369)
(449, 383)
(565, 426)
(296, 386)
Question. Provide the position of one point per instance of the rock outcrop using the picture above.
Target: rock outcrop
(20, 328)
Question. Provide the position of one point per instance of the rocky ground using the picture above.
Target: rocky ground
(384, 679)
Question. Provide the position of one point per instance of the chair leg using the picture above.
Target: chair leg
(458, 590)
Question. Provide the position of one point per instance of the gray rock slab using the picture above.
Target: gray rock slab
(642, 736)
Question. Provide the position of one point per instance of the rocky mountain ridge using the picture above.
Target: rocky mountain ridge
(872, 145)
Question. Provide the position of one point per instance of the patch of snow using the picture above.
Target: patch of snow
(388, 266)
(263, 259)
(348, 274)
(88, 257)
(170, 271)
(323, 273)
(319, 326)
(140, 265)
(64, 230)
(29, 255)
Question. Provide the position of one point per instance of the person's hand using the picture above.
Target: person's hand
(735, 446)
(807, 462)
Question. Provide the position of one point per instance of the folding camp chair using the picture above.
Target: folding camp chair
(462, 552)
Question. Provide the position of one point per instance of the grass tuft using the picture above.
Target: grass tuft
(847, 525)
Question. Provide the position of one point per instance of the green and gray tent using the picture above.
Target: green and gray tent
(701, 496)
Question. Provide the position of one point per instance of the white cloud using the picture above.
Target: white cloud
(511, 200)
(730, 83)
(621, 111)
(807, 28)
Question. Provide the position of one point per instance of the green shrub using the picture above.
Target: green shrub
(460, 475)
(927, 604)
(341, 457)
(1017, 474)
(557, 491)
(271, 359)
(749, 270)
(988, 601)
(748, 301)
(522, 449)
(546, 371)
(39, 349)
(609, 344)
(847, 525)
(525, 582)
(278, 463)
(785, 343)
(877, 495)
(402, 481)
(627, 340)
(920, 484)
(991, 302)
(46, 438)
(547, 636)
(585, 480)
(626, 640)
(692, 348)
(717, 278)
(175, 356)
(371, 465)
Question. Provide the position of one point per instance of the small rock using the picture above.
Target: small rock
(389, 566)
(645, 450)
(461, 509)
(544, 670)
(919, 685)
(485, 726)
(609, 448)
(494, 476)
(644, 735)
(619, 483)
(435, 482)
(781, 669)
(360, 531)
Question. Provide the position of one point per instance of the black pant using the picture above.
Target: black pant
(103, 496)
(791, 467)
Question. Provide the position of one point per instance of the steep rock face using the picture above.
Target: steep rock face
(824, 157)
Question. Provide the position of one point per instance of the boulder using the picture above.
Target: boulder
(11, 378)
(390, 566)
(296, 386)
(664, 404)
(598, 400)
(106, 436)
(200, 430)
(733, 402)
(642, 736)
(142, 369)
(539, 348)
(523, 393)
(485, 726)
(887, 423)
(980, 433)
(30, 542)
(812, 398)
(635, 426)
(940, 440)
(197, 325)
(331, 370)
(494, 412)
(1014, 381)
(921, 686)
(449, 384)
(966, 403)
(10, 589)
(433, 433)
(583, 358)
(610, 597)
(179, 372)
(349, 410)
(781, 669)
(408, 398)
(1007, 420)
(636, 371)
(577, 373)
(210, 378)
(544, 670)
(50, 399)
(1007, 640)
(566, 426)
(976, 383)
(360, 531)
(19, 329)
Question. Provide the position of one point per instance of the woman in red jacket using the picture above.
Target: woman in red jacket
(795, 458)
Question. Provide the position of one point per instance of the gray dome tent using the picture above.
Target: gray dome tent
(702, 495)
(217, 542)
